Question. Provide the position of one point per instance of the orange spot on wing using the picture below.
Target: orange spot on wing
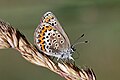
(48, 18)
(42, 36)
(43, 47)
(49, 28)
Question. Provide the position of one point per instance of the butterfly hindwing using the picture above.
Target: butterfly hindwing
(50, 38)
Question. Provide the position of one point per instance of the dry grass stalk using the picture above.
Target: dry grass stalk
(12, 38)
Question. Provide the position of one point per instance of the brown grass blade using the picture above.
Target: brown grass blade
(12, 38)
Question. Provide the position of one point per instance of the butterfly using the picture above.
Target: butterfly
(50, 38)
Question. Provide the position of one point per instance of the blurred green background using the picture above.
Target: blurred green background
(99, 20)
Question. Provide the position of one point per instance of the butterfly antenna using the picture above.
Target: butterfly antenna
(78, 38)
(78, 42)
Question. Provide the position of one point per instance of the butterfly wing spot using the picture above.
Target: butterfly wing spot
(40, 31)
(49, 44)
(43, 28)
(55, 30)
(47, 14)
(56, 44)
(47, 37)
(48, 27)
(38, 41)
(43, 42)
(55, 48)
(39, 27)
(61, 42)
(47, 47)
(50, 51)
(49, 34)
(52, 17)
(43, 34)
(48, 40)
(58, 35)
(49, 18)
(38, 35)
(43, 25)
(55, 22)
(52, 24)
(43, 38)
(53, 34)
(54, 41)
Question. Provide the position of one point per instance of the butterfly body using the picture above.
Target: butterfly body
(51, 39)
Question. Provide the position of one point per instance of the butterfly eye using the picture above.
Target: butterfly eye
(45, 30)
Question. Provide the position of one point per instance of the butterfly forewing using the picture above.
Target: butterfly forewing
(50, 18)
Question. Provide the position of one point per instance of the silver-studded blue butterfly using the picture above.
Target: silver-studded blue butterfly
(50, 38)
